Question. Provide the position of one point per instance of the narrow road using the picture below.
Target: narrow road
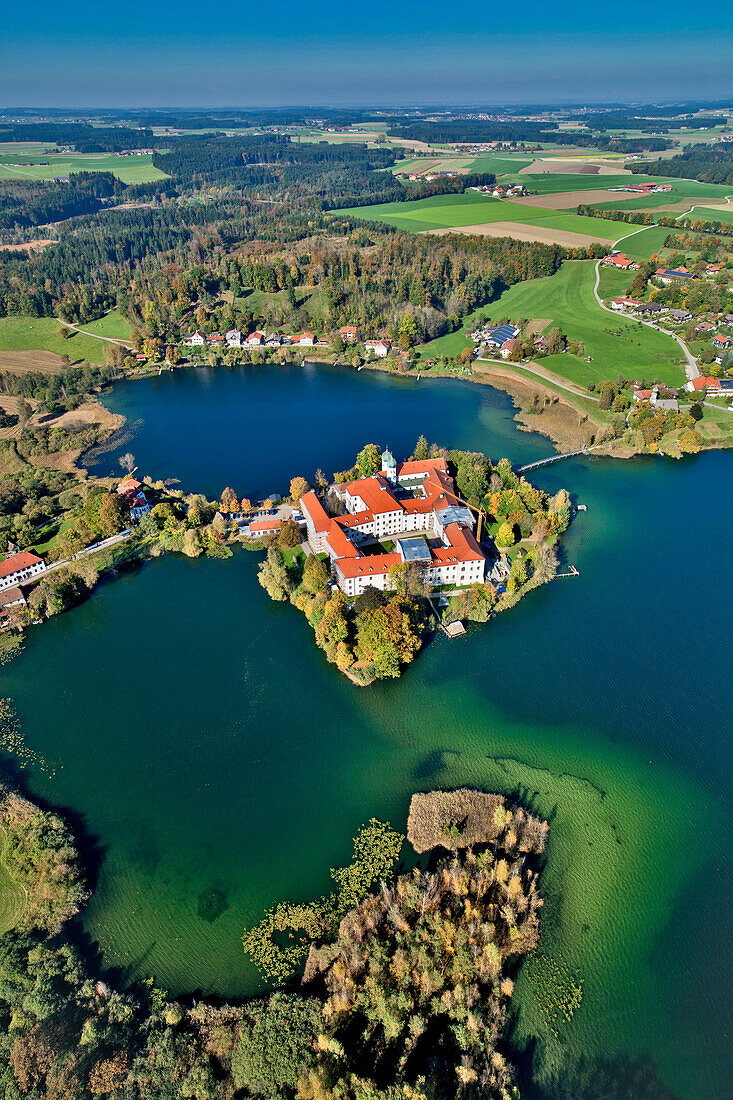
(691, 368)
(105, 544)
(545, 378)
(107, 339)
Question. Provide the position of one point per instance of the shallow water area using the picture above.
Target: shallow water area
(221, 765)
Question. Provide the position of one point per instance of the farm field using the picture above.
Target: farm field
(21, 335)
(501, 164)
(12, 896)
(682, 191)
(616, 345)
(131, 169)
(472, 209)
(713, 213)
(640, 245)
(614, 283)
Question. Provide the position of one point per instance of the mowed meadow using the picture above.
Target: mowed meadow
(615, 345)
(20, 337)
(473, 209)
(48, 166)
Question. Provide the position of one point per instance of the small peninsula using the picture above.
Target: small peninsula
(375, 557)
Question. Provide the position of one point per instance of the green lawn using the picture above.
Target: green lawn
(132, 169)
(455, 211)
(640, 245)
(617, 345)
(614, 283)
(43, 334)
(713, 213)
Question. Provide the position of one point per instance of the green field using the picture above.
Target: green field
(713, 213)
(501, 164)
(551, 183)
(131, 169)
(616, 345)
(455, 211)
(614, 283)
(640, 245)
(43, 334)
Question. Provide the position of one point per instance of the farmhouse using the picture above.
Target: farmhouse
(620, 304)
(668, 276)
(415, 506)
(20, 568)
(349, 334)
(712, 385)
(379, 347)
(619, 260)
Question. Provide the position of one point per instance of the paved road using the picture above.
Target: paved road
(545, 378)
(105, 544)
(691, 367)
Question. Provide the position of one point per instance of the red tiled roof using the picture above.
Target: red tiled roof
(423, 465)
(266, 525)
(371, 565)
(375, 493)
(312, 506)
(340, 543)
(19, 561)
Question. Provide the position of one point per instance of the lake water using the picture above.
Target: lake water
(209, 751)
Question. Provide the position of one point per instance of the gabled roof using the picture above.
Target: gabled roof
(313, 508)
(24, 560)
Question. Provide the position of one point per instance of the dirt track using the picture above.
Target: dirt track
(520, 232)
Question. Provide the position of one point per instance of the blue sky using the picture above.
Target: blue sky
(78, 53)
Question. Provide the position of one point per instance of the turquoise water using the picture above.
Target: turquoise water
(205, 745)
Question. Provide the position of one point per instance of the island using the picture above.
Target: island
(387, 548)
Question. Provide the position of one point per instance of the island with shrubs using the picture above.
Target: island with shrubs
(389, 551)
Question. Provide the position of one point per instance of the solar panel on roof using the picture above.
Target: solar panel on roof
(501, 333)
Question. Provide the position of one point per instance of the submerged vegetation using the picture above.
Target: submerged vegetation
(405, 993)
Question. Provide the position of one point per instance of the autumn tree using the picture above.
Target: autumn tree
(273, 576)
(298, 488)
(369, 460)
(112, 514)
(127, 462)
(505, 535)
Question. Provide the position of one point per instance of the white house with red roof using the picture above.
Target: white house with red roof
(20, 569)
(255, 339)
(349, 334)
(721, 341)
(413, 503)
(196, 340)
(619, 260)
(132, 493)
(379, 347)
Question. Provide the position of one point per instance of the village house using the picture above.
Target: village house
(704, 326)
(414, 505)
(650, 309)
(132, 493)
(712, 385)
(196, 340)
(234, 338)
(349, 334)
(304, 340)
(20, 569)
(668, 276)
(679, 316)
(508, 347)
(620, 304)
(255, 339)
(720, 340)
(379, 347)
(619, 260)
(11, 600)
(273, 340)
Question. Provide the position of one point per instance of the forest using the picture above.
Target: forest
(706, 163)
